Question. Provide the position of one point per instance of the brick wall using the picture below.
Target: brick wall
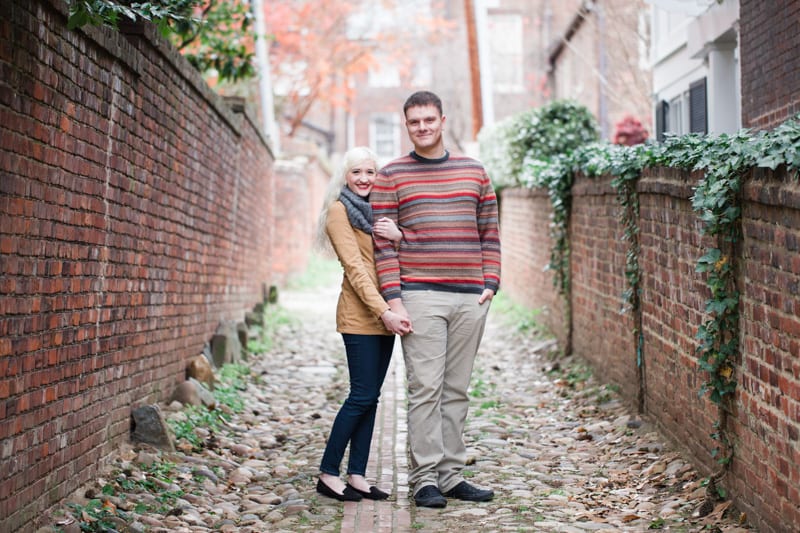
(768, 424)
(300, 183)
(673, 298)
(526, 254)
(765, 475)
(770, 63)
(598, 284)
(135, 213)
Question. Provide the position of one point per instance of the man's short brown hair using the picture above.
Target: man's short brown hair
(423, 98)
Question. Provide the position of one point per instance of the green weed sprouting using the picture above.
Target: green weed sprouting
(227, 393)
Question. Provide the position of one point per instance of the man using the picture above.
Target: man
(443, 276)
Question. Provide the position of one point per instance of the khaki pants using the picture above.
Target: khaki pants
(439, 356)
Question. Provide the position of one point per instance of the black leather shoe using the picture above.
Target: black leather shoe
(430, 496)
(374, 493)
(471, 493)
(349, 494)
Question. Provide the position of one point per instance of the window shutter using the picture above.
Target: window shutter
(662, 114)
(698, 117)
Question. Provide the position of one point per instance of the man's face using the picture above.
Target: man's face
(424, 125)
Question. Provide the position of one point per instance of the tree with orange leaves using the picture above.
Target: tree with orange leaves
(319, 46)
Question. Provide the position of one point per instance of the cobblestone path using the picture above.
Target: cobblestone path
(562, 453)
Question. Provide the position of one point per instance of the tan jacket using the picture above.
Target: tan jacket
(360, 304)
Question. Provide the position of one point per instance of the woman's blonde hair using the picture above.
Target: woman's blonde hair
(353, 157)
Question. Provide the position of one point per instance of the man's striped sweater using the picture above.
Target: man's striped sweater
(447, 211)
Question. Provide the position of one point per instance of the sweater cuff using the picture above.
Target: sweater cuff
(391, 294)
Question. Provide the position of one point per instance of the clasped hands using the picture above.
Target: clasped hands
(396, 318)
(396, 323)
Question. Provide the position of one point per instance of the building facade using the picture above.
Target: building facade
(696, 73)
(598, 56)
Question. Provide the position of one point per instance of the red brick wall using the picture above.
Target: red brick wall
(598, 284)
(673, 297)
(135, 213)
(524, 221)
(768, 424)
(769, 61)
(300, 183)
(765, 475)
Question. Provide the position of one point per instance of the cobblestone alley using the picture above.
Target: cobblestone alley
(560, 451)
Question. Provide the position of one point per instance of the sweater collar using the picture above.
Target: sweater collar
(427, 161)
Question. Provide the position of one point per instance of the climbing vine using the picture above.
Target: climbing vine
(716, 200)
(534, 149)
(625, 164)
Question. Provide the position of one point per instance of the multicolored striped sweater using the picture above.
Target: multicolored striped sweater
(447, 211)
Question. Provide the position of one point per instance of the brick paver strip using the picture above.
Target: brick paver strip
(388, 462)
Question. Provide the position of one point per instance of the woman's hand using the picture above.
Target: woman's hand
(396, 323)
(385, 228)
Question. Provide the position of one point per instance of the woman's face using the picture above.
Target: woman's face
(361, 178)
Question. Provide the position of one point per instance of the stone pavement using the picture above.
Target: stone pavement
(562, 453)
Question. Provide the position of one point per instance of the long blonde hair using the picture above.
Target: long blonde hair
(353, 157)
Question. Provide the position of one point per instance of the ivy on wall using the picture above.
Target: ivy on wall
(724, 160)
(534, 149)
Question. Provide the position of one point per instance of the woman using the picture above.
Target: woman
(364, 319)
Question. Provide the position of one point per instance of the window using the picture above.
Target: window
(673, 116)
(662, 119)
(698, 115)
(676, 122)
(384, 134)
(643, 39)
(505, 45)
(370, 19)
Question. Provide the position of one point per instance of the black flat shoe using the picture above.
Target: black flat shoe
(374, 493)
(349, 494)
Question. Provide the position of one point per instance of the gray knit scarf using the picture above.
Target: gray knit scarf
(359, 210)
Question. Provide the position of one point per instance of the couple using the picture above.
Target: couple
(426, 269)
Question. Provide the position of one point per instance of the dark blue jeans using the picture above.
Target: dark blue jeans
(368, 359)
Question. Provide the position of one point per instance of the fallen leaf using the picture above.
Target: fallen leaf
(718, 512)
